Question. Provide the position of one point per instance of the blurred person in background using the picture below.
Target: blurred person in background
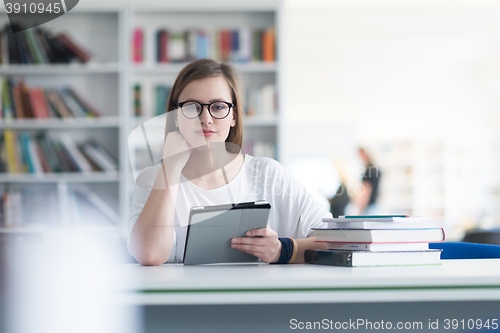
(367, 198)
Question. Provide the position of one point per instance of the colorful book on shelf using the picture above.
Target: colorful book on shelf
(81, 54)
(34, 48)
(3, 156)
(78, 159)
(12, 46)
(367, 258)
(138, 45)
(10, 93)
(49, 153)
(4, 54)
(34, 158)
(268, 51)
(423, 235)
(89, 109)
(99, 156)
(10, 141)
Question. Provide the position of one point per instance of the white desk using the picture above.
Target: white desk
(262, 283)
(457, 288)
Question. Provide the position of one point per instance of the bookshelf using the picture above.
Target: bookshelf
(107, 81)
(210, 19)
(54, 199)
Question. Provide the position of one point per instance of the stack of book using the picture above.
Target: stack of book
(377, 241)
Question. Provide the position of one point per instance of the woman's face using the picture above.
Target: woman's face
(202, 130)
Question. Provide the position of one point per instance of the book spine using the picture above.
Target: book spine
(100, 157)
(137, 100)
(78, 51)
(75, 154)
(7, 107)
(50, 153)
(138, 46)
(28, 164)
(91, 110)
(16, 92)
(331, 258)
(34, 47)
(34, 158)
(10, 139)
(58, 104)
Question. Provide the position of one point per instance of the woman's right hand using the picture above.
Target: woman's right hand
(176, 151)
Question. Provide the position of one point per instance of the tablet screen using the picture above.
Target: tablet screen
(211, 228)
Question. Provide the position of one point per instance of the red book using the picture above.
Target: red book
(164, 36)
(37, 108)
(43, 102)
(138, 46)
(77, 50)
(225, 44)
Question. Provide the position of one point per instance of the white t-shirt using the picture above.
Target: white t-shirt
(294, 211)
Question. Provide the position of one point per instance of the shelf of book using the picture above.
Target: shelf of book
(78, 89)
(107, 81)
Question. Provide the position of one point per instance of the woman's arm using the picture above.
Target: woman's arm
(152, 236)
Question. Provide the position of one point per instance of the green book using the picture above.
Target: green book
(35, 48)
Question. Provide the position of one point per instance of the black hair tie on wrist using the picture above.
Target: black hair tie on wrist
(286, 251)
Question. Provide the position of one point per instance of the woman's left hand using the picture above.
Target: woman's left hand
(262, 243)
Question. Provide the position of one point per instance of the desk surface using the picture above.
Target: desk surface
(263, 283)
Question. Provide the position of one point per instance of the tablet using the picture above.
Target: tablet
(211, 228)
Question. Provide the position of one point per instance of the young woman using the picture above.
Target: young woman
(202, 166)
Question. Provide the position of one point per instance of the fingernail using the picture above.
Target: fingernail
(233, 245)
(233, 240)
(248, 233)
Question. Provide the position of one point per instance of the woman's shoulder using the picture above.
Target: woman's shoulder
(264, 164)
(146, 178)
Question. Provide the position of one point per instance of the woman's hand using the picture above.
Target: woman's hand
(177, 150)
(262, 243)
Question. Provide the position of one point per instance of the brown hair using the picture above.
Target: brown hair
(202, 69)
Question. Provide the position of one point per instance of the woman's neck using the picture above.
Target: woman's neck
(207, 160)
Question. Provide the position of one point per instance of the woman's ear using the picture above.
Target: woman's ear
(233, 123)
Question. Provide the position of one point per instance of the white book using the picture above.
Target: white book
(245, 44)
(367, 258)
(378, 246)
(75, 153)
(100, 157)
(379, 235)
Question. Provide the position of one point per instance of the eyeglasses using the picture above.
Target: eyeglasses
(218, 110)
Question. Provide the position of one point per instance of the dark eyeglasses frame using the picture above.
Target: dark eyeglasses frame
(231, 105)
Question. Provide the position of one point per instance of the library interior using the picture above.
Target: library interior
(384, 114)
